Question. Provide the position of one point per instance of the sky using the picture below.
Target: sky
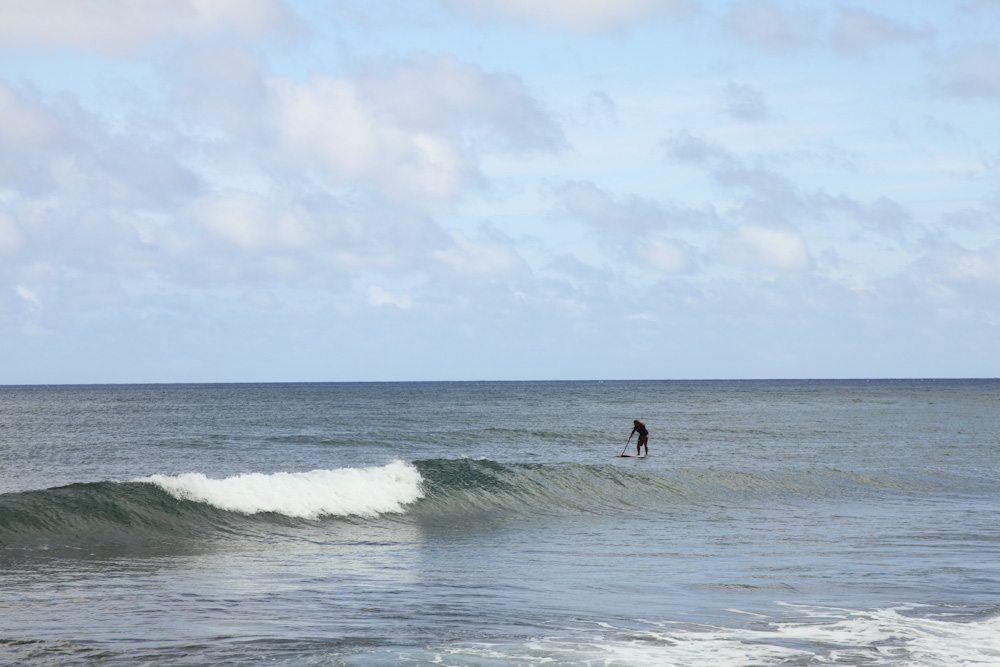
(349, 190)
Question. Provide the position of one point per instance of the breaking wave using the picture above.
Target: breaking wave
(157, 509)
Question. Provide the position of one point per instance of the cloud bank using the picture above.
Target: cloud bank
(215, 190)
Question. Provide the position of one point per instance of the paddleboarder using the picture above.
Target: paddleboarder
(640, 428)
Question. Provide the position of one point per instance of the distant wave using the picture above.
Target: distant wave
(466, 485)
(166, 509)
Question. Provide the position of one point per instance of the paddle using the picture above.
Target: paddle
(626, 444)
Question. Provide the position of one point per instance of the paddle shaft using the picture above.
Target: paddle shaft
(626, 444)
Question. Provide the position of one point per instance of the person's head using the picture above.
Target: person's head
(635, 421)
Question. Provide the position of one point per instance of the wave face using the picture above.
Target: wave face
(167, 512)
(465, 485)
(107, 516)
(159, 509)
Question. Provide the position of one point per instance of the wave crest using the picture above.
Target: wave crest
(362, 492)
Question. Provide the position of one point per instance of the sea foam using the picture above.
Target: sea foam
(824, 636)
(363, 492)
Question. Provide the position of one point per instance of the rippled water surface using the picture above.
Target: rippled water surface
(776, 523)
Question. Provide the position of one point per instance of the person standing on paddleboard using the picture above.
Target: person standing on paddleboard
(640, 428)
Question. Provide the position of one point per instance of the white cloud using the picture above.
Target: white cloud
(442, 94)
(966, 266)
(233, 236)
(770, 28)
(10, 235)
(50, 144)
(766, 248)
(685, 148)
(119, 27)
(33, 330)
(32, 134)
(220, 84)
(975, 6)
(961, 285)
(590, 204)
(587, 16)
(883, 216)
(859, 32)
(327, 123)
(973, 71)
(480, 259)
(768, 185)
(29, 295)
(26, 124)
(764, 194)
(410, 130)
(378, 296)
(664, 255)
(623, 217)
(600, 108)
(745, 102)
(251, 222)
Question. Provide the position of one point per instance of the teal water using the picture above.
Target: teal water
(779, 523)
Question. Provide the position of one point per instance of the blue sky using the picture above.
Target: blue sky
(293, 190)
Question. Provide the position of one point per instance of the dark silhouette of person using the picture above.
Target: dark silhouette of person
(640, 428)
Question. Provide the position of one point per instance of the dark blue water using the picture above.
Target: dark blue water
(777, 523)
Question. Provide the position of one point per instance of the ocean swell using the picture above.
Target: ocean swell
(191, 507)
(171, 513)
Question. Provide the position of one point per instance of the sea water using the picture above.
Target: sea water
(774, 523)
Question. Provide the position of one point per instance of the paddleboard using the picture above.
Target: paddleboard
(633, 456)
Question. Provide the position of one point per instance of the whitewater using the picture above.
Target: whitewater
(780, 523)
(344, 492)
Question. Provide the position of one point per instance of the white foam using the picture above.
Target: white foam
(879, 638)
(364, 492)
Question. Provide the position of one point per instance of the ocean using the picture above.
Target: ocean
(495, 523)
